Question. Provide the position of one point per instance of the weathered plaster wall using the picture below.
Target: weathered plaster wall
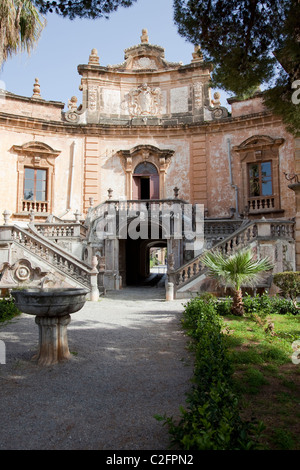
(32, 108)
(250, 106)
(220, 194)
(110, 174)
(68, 184)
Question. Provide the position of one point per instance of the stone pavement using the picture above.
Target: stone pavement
(129, 362)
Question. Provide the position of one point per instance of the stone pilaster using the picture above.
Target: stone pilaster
(91, 170)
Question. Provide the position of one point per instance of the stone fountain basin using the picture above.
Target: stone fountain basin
(51, 302)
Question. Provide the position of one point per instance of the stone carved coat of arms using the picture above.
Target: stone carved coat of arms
(143, 101)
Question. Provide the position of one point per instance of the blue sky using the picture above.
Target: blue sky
(64, 44)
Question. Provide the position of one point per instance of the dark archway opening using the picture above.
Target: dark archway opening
(137, 262)
(145, 187)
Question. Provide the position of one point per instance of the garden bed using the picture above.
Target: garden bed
(246, 388)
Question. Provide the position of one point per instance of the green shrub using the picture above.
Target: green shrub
(264, 305)
(212, 420)
(8, 309)
(223, 306)
(289, 283)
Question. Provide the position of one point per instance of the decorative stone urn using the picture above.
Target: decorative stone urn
(52, 308)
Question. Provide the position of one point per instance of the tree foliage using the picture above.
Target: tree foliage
(20, 27)
(81, 8)
(247, 40)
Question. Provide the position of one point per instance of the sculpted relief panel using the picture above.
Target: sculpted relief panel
(143, 101)
(92, 97)
(198, 95)
(144, 63)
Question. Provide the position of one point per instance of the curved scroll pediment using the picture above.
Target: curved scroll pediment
(258, 141)
(36, 147)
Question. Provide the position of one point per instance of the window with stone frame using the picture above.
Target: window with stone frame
(259, 157)
(35, 170)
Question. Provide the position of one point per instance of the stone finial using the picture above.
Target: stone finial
(6, 215)
(94, 58)
(94, 263)
(144, 36)
(197, 54)
(72, 103)
(36, 89)
(216, 101)
(77, 216)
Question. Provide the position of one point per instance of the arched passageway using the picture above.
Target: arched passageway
(135, 261)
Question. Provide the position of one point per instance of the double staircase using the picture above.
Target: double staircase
(51, 253)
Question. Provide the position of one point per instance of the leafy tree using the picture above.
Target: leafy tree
(235, 271)
(81, 8)
(20, 27)
(247, 40)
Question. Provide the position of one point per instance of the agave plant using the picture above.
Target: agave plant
(236, 270)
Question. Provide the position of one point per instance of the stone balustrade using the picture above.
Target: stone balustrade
(35, 206)
(254, 231)
(154, 205)
(61, 230)
(258, 204)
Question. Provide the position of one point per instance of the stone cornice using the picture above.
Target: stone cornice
(38, 124)
(40, 101)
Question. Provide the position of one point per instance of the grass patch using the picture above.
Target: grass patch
(266, 379)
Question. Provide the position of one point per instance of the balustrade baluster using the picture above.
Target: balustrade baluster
(194, 269)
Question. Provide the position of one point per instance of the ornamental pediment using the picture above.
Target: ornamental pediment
(145, 56)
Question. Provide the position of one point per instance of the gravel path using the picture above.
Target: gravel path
(129, 362)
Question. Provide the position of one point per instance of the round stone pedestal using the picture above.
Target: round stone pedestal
(53, 339)
(52, 308)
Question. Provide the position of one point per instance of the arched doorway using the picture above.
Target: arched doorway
(145, 183)
(145, 154)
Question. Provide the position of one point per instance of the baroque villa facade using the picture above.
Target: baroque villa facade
(147, 131)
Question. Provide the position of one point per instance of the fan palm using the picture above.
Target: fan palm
(236, 270)
(20, 27)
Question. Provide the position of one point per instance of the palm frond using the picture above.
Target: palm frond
(20, 27)
(237, 269)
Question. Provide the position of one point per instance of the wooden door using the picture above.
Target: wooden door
(136, 187)
(154, 187)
